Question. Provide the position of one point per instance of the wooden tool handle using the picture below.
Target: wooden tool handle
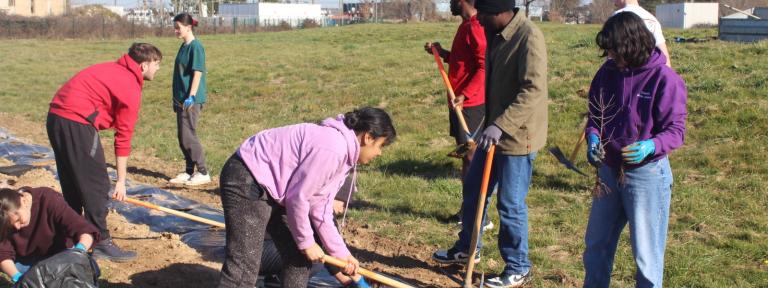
(479, 215)
(174, 212)
(367, 273)
(451, 94)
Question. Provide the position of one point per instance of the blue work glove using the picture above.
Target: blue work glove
(635, 153)
(16, 277)
(594, 151)
(361, 283)
(490, 136)
(189, 102)
(80, 247)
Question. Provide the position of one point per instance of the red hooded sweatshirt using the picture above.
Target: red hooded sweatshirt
(109, 91)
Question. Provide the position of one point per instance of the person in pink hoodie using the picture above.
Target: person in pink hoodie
(283, 181)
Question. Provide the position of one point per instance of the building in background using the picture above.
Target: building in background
(687, 15)
(39, 8)
(270, 14)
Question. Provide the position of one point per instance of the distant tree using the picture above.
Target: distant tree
(600, 10)
(562, 10)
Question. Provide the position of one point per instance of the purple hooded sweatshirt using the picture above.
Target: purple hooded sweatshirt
(642, 103)
(302, 167)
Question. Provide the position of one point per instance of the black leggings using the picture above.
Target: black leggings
(249, 213)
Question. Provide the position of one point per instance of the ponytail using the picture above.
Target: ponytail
(371, 120)
(186, 19)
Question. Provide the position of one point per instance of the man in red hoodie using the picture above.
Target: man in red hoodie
(466, 62)
(103, 96)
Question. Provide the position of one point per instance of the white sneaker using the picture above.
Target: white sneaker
(508, 281)
(198, 179)
(180, 179)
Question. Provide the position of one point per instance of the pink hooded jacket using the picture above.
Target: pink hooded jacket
(302, 167)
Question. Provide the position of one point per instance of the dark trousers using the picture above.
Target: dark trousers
(250, 213)
(82, 169)
(186, 128)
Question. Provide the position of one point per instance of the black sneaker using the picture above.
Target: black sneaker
(106, 249)
(453, 255)
(508, 280)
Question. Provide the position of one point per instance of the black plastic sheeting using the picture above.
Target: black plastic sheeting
(201, 237)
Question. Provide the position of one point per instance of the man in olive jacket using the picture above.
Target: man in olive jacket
(516, 121)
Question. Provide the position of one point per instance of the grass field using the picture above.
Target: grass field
(718, 234)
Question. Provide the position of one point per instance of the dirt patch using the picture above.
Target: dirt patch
(165, 261)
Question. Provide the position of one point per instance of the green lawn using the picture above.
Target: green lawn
(718, 234)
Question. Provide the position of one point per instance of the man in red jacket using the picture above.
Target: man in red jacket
(466, 62)
(103, 96)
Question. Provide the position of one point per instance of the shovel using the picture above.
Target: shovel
(568, 162)
(462, 149)
(479, 216)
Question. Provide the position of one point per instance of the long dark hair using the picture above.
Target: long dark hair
(627, 38)
(10, 201)
(186, 19)
(371, 120)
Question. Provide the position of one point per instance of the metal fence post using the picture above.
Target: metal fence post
(73, 26)
(133, 24)
(234, 25)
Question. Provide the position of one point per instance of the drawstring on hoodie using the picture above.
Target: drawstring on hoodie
(352, 186)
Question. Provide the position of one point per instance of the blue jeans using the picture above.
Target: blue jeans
(642, 200)
(512, 174)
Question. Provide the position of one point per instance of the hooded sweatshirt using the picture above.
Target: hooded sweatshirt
(302, 167)
(647, 102)
(53, 227)
(106, 95)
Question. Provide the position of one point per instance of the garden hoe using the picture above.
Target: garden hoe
(462, 149)
(389, 282)
(479, 217)
(568, 162)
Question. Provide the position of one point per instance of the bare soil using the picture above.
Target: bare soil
(165, 261)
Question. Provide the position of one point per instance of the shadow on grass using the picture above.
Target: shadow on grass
(559, 183)
(366, 205)
(175, 275)
(420, 168)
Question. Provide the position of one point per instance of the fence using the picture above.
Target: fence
(100, 27)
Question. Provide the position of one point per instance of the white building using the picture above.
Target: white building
(269, 13)
(687, 15)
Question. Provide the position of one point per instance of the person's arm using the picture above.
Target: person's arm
(665, 51)
(476, 83)
(532, 79)
(122, 175)
(669, 115)
(303, 193)
(86, 240)
(198, 67)
(9, 267)
(196, 76)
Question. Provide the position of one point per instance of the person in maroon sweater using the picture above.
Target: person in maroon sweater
(466, 72)
(103, 96)
(36, 223)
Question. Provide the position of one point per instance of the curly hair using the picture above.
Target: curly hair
(626, 39)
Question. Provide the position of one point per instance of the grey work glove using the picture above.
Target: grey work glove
(490, 136)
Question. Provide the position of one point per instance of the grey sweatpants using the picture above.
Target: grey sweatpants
(186, 123)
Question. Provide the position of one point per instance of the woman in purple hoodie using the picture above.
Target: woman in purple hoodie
(282, 181)
(637, 112)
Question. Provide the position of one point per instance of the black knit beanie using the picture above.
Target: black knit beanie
(494, 6)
